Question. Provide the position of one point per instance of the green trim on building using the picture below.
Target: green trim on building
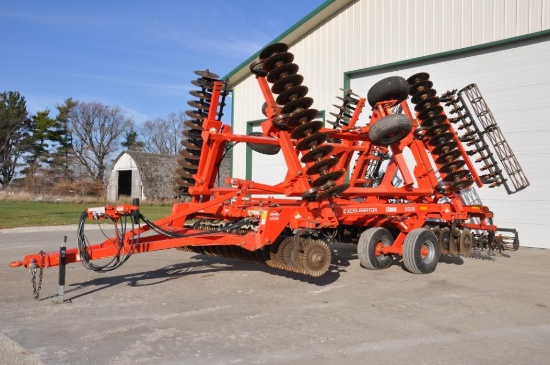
(349, 74)
(231, 124)
(249, 126)
(281, 36)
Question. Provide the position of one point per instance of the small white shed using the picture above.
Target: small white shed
(142, 175)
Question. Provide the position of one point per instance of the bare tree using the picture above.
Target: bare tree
(96, 130)
(163, 135)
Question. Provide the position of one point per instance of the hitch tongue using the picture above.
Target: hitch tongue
(16, 264)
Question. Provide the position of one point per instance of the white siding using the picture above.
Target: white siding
(267, 169)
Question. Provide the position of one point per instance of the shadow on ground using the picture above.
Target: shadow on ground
(342, 254)
(206, 265)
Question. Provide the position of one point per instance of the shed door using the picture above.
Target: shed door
(124, 183)
(514, 80)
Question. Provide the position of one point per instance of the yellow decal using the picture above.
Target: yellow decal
(264, 216)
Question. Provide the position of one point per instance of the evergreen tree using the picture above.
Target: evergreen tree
(63, 156)
(131, 142)
(40, 138)
(39, 141)
(14, 129)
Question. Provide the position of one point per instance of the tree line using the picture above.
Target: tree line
(73, 150)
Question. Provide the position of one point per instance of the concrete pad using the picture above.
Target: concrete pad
(174, 307)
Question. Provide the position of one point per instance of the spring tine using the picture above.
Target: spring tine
(487, 176)
(468, 138)
(456, 109)
(481, 159)
(349, 92)
(348, 100)
(449, 93)
(486, 167)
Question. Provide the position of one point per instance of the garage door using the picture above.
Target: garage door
(515, 82)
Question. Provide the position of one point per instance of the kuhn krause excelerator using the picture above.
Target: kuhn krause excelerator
(350, 182)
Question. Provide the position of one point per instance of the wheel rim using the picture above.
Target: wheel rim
(379, 250)
(393, 137)
(427, 251)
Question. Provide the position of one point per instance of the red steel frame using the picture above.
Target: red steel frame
(417, 199)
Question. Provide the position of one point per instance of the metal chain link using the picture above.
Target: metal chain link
(36, 288)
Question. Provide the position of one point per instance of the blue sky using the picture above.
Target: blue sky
(139, 55)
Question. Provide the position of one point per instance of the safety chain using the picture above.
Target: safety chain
(36, 288)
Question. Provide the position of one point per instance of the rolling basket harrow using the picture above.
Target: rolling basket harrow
(395, 184)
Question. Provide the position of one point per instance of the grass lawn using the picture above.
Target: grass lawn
(37, 213)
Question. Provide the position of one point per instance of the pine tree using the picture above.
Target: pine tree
(63, 155)
(39, 141)
(14, 129)
(131, 142)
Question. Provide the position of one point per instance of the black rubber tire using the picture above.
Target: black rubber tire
(366, 248)
(412, 251)
(265, 149)
(390, 129)
(390, 88)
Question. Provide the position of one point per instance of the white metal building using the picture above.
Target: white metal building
(501, 45)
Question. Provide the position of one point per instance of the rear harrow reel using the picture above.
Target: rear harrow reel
(471, 135)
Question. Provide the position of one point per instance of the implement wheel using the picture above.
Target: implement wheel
(390, 129)
(420, 251)
(369, 242)
(266, 149)
(391, 88)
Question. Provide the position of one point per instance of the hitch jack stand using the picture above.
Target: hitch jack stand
(62, 267)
